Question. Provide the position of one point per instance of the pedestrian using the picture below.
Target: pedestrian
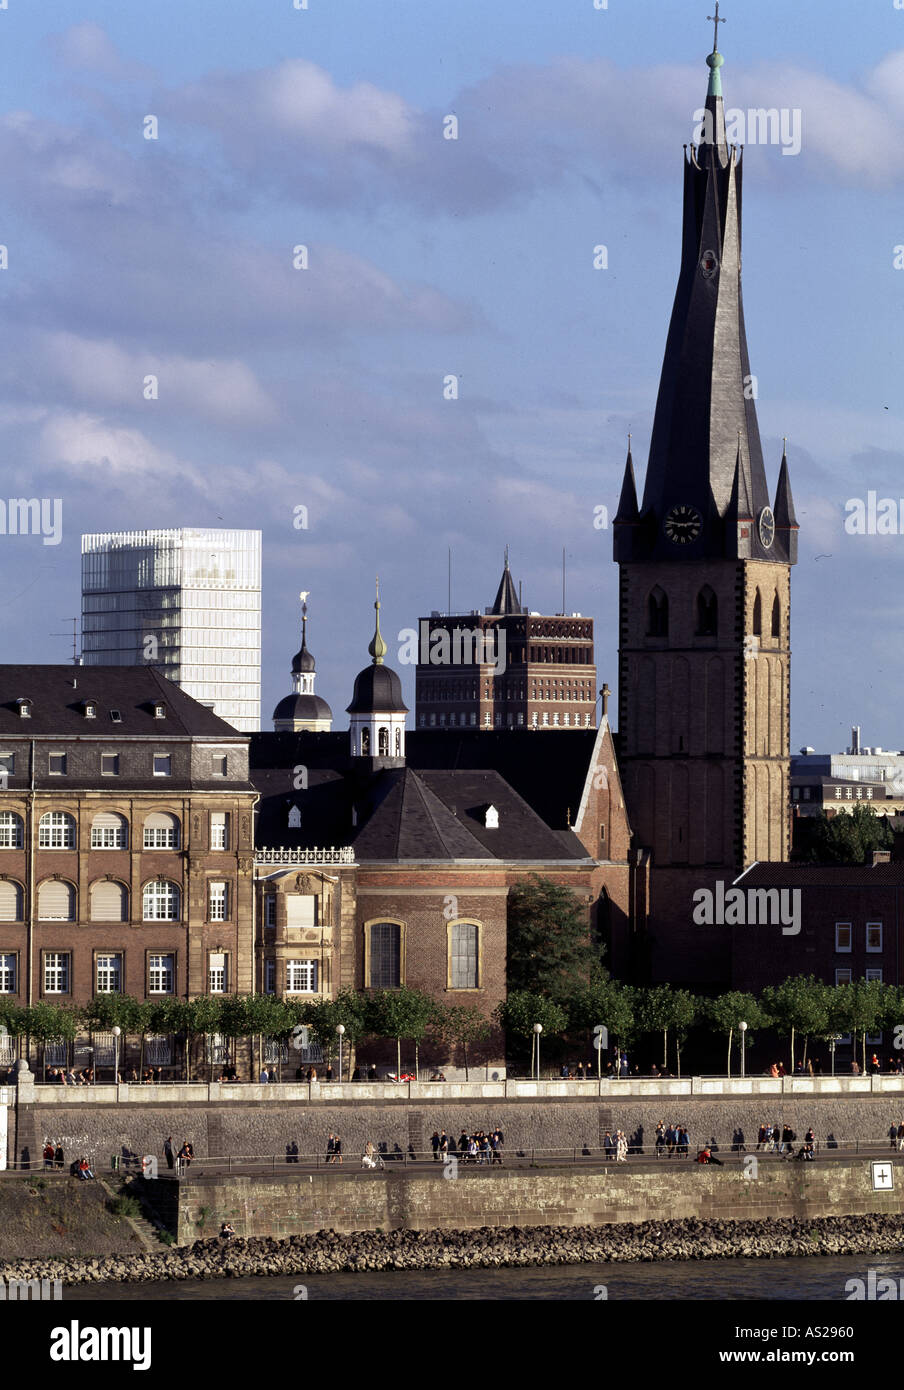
(670, 1139)
(761, 1137)
(264, 1077)
(330, 1147)
(169, 1152)
(609, 1146)
(186, 1153)
(58, 1156)
(683, 1142)
(621, 1147)
(498, 1144)
(901, 1137)
(660, 1139)
(337, 1150)
(49, 1152)
(443, 1142)
(434, 1144)
(463, 1146)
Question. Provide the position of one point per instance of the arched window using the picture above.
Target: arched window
(464, 955)
(757, 615)
(56, 901)
(161, 831)
(385, 955)
(383, 741)
(398, 738)
(657, 614)
(160, 901)
(109, 902)
(10, 901)
(365, 741)
(10, 830)
(109, 831)
(707, 613)
(776, 618)
(56, 830)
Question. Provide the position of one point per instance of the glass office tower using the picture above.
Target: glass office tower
(187, 601)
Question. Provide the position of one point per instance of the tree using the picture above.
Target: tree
(401, 1013)
(195, 1018)
(324, 1016)
(843, 838)
(661, 1008)
(463, 1024)
(728, 1010)
(608, 1003)
(799, 1004)
(521, 1010)
(549, 944)
(255, 1016)
(49, 1023)
(859, 1007)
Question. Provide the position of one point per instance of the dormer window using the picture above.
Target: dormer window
(491, 819)
(89, 709)
(160, 710)
(24, 709)
(294, 818)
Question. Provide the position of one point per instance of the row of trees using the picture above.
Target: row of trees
(403, 1015)
(801, 1009)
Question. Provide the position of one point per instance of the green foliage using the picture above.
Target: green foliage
(659, 1008)
(401, 1013)
(523, 1008)
(800, 1004)
(862, 1007)
(323, 1017)
(106, 1011)
(549, 944)
(125, 1206)
(606, 1002)
(48, 1022)
(461, 1025)
(843, 838)
(728, 1010)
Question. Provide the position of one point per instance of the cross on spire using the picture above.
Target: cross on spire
(714, 19)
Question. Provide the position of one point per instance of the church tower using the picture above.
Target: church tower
(377, 712)
(303, 710)
(704, 606)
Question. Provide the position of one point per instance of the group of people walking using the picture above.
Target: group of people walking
(673, 1139)
(479, 1147)
(616, 1146)
(185, 1154)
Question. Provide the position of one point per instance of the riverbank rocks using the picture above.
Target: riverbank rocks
(485, 1248)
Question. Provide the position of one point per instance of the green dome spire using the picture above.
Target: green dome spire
(378, 647)
(715, 59)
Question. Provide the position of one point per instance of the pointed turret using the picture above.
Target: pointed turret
(377, 710)
(303, 710)
(506, 600)
(786, 526)
(739, 517)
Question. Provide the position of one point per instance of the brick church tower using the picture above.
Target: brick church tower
(704, 608)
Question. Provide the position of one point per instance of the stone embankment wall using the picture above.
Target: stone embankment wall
(256, 1127)
(307, 1203)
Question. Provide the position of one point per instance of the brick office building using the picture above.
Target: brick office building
(126, 823)
(506, 668)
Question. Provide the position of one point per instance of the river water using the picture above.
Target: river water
(783, 1280)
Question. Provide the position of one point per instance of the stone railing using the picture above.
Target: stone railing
(708, 1087)
(345, 855)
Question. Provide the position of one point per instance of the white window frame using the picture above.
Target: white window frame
(11, 830)
(298, 972)
(169, 834)
(110, 836)
(8, 764)
(161, 893)
(107, 771)
(219, 830)
(56, 830)
(216, 974)
(9, 971)
(163, 758)
(873, 950)
(57, 967)
(108, 965)
(843, 970)
(844, 950)
(57, 771)
(161, 969)
(217, 900)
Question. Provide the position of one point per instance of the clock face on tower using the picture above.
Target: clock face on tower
(766, 527)
(682, 524)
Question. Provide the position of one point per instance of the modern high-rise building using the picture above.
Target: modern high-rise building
(187, 601)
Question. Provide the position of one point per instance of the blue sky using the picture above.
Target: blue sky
(427, 257)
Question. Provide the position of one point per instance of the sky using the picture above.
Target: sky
(430, 258)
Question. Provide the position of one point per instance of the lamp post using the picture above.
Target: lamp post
(538, 1029)
(743, 1031)
(117, 1031)
(832, 1041)
(340, 1030)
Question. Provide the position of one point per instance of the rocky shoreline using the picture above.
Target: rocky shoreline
(487, 1247)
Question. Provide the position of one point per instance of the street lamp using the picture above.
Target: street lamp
(538, 1029)
(117, 1031)
(743, 1030)
(836, 1037)
(340, 1029)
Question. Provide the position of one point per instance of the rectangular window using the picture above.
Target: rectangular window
(109, 764)
(464, 956)
(842, 977)
(873, 938)
(7, 974)
(270, 910)
(875, 973)
(301, 977)
(219, 830)
(161, 971)
(216, 973)
(163, 765)
(269, 976)
(217, 902)
(843, 936)
(57, 764)
(220, 766)
(109, 975)
(7, 764)
(301, 910)
(56, 972)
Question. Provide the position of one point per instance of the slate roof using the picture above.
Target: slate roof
(57, 708)
(769, 875)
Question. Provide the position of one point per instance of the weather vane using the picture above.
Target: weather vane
(714, 19)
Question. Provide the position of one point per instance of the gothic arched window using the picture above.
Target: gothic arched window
(707, 613)
(365, 741)
(657, 614)
(776, 618)
(757, 615)
(383, 742)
